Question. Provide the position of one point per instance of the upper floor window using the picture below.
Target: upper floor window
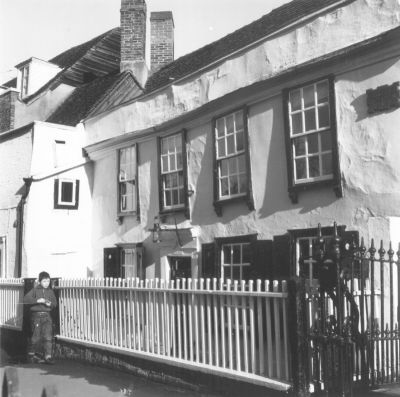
(127, 180)
(232, 171)
(66, 193)
(311, 134)
(172, 172)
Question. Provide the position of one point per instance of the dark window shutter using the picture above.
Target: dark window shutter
(347, 240)
(282, 257)
(262, 265)
(56, 182)
(210, 269)
(112, 262)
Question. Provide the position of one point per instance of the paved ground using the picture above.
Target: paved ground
(73, 379)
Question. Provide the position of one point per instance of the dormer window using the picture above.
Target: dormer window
(24, 80)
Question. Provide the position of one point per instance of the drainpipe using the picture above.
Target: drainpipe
(20, 223)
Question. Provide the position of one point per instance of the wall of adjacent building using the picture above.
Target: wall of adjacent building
(15, 160)
(57, 240)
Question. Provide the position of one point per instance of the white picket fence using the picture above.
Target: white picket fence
(11, 307)
(235, 330)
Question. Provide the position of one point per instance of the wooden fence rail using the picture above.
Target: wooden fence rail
(235, 329)
(11, 308)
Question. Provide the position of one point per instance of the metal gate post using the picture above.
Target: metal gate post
(298, 337)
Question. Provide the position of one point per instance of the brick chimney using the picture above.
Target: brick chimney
(133, 38)
(162, 39)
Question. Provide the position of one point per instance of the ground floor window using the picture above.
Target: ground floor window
(124, 261)
(180, 267)
(235, 261)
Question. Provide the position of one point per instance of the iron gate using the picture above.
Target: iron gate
(352, 316)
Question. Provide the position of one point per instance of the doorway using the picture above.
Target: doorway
(180, 267)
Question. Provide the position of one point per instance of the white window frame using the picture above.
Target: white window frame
(126, 253)
(60, 201)
(172, 168)
(221, 138)
(306, 134)
(232, 265)
(124, 180)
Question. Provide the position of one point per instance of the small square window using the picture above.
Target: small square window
(66, 194)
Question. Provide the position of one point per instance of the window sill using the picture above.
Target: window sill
(65, 207)
(122, 215)
(303, 186)
(172, 211)
(218, 204)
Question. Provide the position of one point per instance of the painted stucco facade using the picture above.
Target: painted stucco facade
(367, 144)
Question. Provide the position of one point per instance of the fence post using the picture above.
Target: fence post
(298, 336)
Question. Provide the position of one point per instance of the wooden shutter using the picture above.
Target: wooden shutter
(262, 265)
(210, 267)
(283, 263)
(112, 262)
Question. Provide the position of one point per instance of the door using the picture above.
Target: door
(112, 262)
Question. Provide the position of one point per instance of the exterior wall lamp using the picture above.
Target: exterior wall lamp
(158, 231)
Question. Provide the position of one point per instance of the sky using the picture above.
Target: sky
(45, 28)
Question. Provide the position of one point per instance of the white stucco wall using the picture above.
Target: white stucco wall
(346, 25)
(15, 156)
(57, 240)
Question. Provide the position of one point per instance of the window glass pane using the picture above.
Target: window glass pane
(233, 166)
(322, 92)
(164, 164)
(164, 146)
(227, 272)
(175, 197)
(229, 124)
(174, 180)
(220, 125)
(295, 100)
(241, 163)
(180, 178)
(312, 141)
(237, 254)
(221, 148)
(246, 253)
(326, 141)
(168, 200)
(308, 96)
(310, 119)
(236, 273)
(224, 167)
(301, 171)
(246, 273)
(305, 250)
(323, 116)
(299, 146)
(297, 123)
(239, 121)
(172, 165)
(327, 164)
(178, 143)
(122, 159)
(227, 254)
(313, 163)
(224, 187)
(243, 183)
(234, 184)
(66, 191)
(230, 140)
(240, 141)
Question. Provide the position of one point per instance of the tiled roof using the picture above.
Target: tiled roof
(69, 57)
(85, 98)
(11, 83)
(268, 24)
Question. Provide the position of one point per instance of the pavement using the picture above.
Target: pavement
(72, 379)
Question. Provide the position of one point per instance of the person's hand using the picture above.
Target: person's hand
(41, 300)
(48, 303)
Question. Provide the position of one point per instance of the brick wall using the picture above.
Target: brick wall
(133, 30)
(7, 110)
(162, 39)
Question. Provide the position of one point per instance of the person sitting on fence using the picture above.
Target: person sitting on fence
(42, 300)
